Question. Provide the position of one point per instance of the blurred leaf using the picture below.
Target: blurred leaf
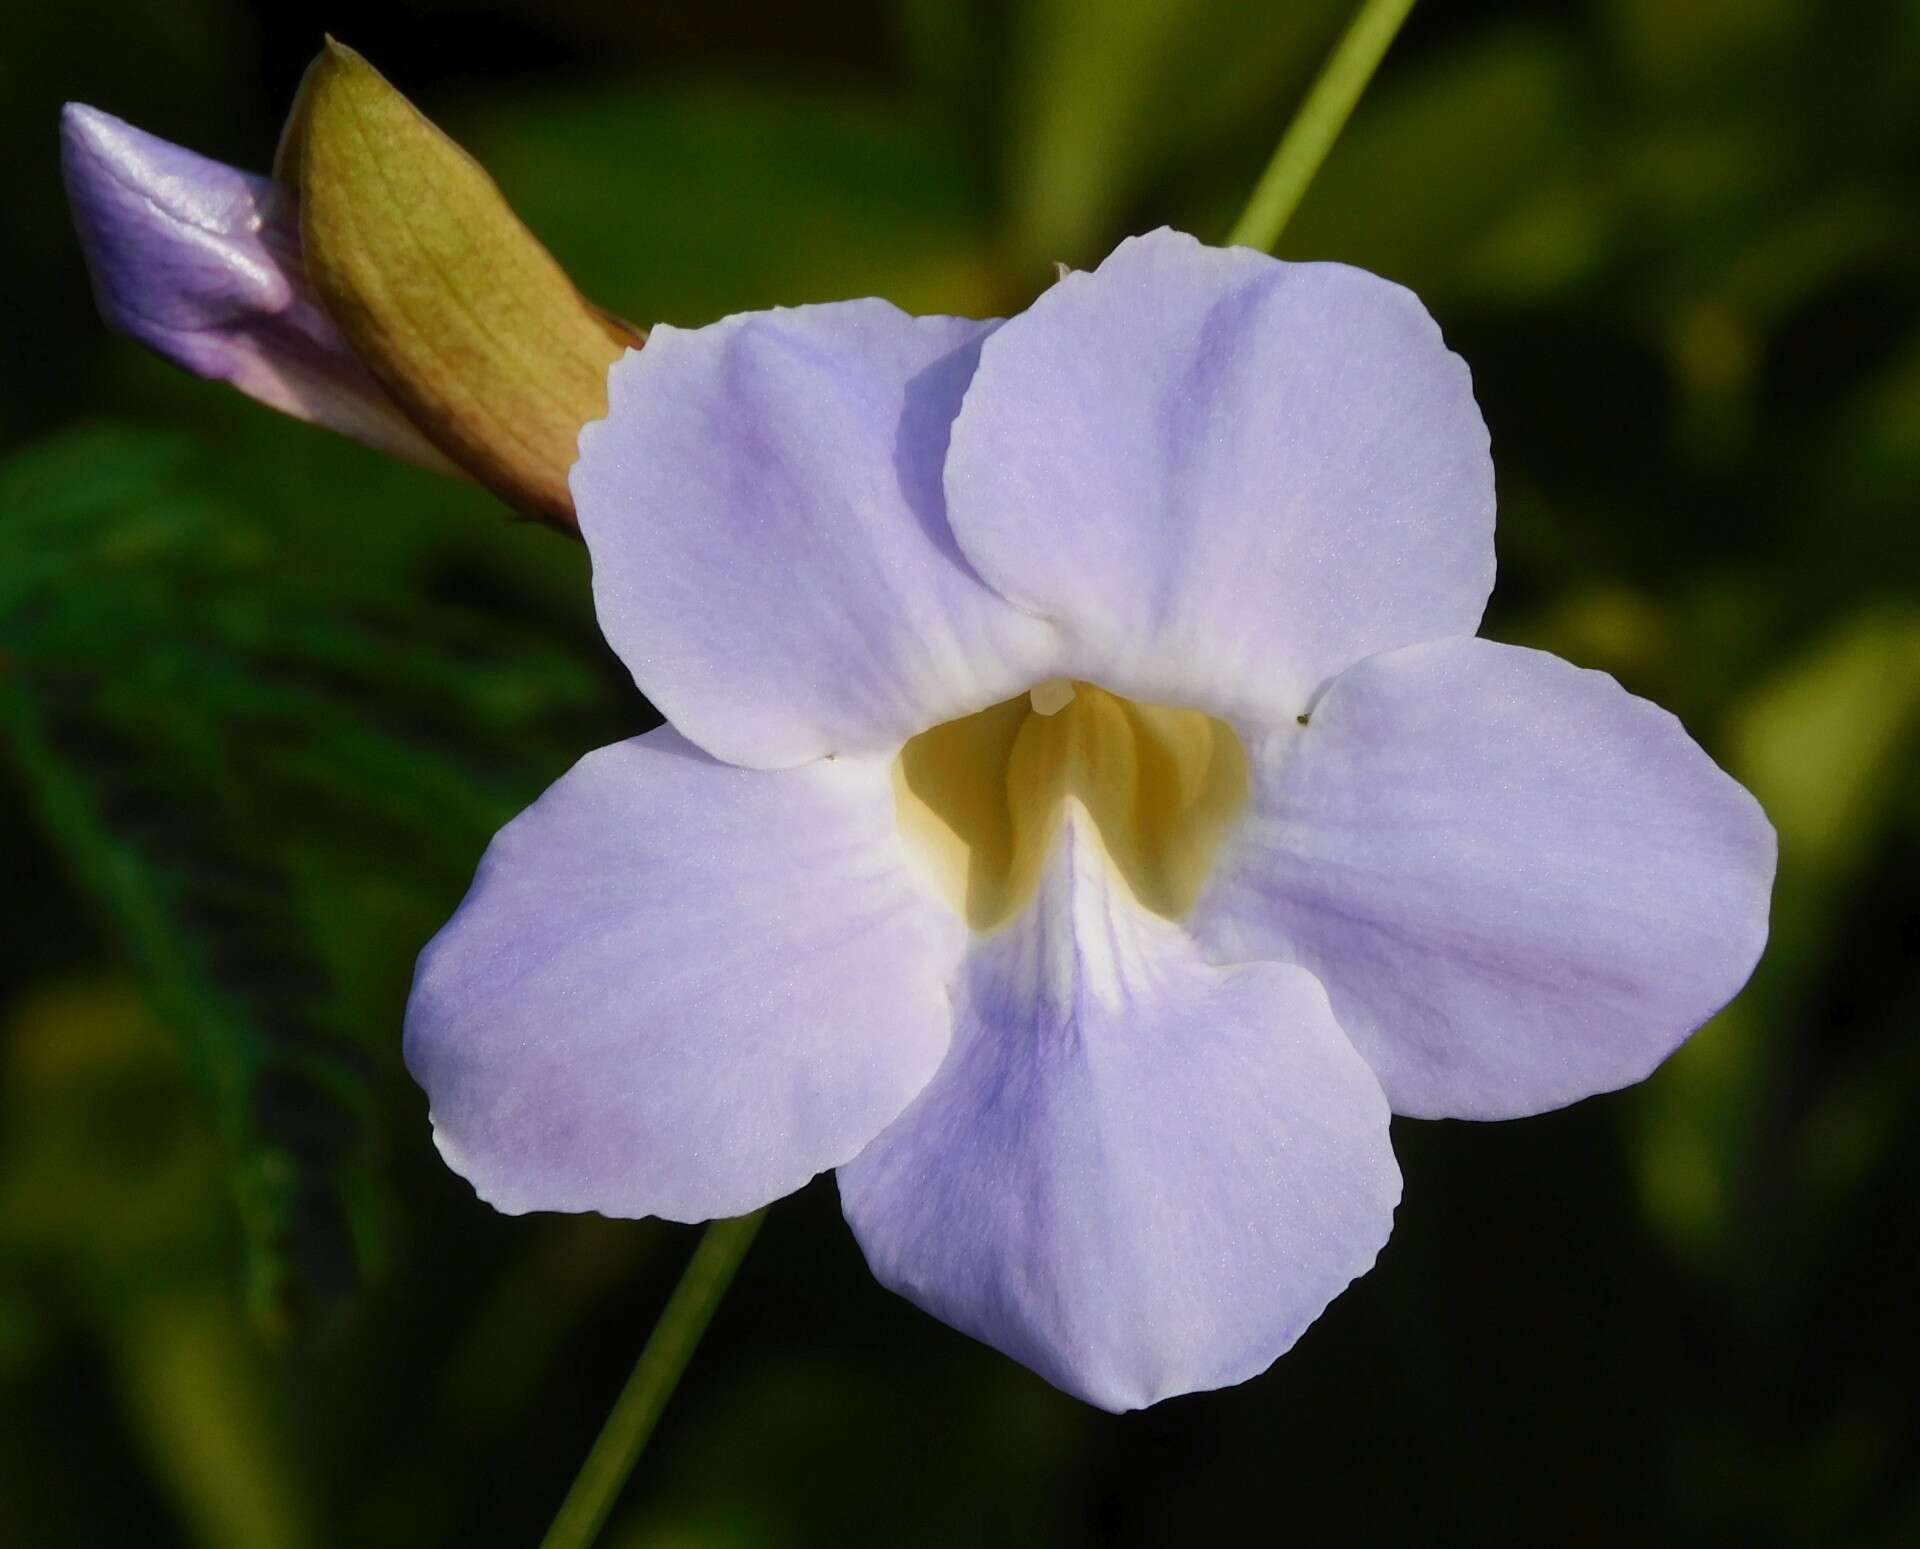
(686, 204)
(1694, 1127)
(1107, 94)
(949, 44)
(1821, 745)
(1817, 744)
(106, 1158)
(1799, 251)
(1677, 45)
(1467, 171)
(774, 1436)
(209, 1414)
(108, 1167)
(1879, 455)
(257, 782)
(1608, 626)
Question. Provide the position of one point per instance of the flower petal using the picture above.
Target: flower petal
(1135, 1173)
(770, 548)
(1228, 477)
(679, 988)
(1520, 884)
(201, 263)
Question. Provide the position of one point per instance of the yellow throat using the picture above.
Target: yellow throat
(980, 799)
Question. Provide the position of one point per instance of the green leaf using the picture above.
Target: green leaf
(272, 791)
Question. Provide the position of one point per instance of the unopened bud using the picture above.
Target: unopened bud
(468, 322)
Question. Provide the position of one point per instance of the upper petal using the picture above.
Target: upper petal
(680, 988)
(771, 555)
(1519, 884)
(1228, 477)
(1138, 1174)
(201, 263)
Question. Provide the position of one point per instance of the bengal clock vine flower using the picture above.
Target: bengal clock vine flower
(1085, 814)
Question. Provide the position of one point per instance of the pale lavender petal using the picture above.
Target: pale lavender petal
(770, 548)
(200, 262)
(679, 988)
(1226, 476)
(1519, 884)
(1135, 1173)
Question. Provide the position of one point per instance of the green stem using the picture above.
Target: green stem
(1318, 123)
(635, 1412)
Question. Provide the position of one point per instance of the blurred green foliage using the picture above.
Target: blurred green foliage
(263, 698)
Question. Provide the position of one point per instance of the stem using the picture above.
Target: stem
(1318, 123)
(655, 1375)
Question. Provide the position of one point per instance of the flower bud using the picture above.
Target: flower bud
(453, 305)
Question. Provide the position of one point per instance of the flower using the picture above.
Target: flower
(1084, 815)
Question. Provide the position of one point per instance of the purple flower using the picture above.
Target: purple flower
(1085, 815)
(201, 263)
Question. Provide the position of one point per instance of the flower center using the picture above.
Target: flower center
(981, 798)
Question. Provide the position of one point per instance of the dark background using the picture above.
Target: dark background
(263, 698)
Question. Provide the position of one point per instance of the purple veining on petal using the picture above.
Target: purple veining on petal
(1135, 1173)
(201, 263)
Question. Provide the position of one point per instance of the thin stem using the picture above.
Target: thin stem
(1318, 123)
(635, 1412)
